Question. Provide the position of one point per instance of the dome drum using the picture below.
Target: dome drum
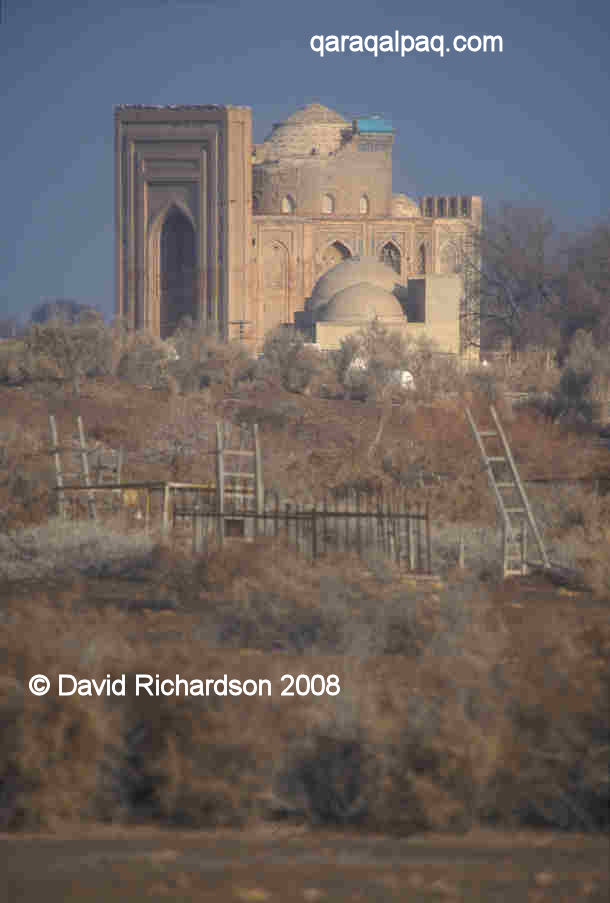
(362, 302)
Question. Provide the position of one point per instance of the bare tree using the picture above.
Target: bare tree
(585, 286)
(367, 364)
(511, 277)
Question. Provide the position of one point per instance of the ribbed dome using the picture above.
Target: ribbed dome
(351, 272)
(402, 205)
(315, 112)
(363, 301)
(312, 130)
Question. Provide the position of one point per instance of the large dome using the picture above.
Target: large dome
(310, 131)
(349, 272)
(363, 301)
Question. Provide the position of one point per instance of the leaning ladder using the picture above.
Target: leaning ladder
(60, 475)
(103, 473)
(238, 484)
(515, 511)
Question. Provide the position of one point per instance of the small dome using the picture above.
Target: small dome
(312, 130)
(350, 272)
(402, 205)
(363, 301)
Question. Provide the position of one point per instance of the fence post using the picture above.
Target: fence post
(220, 482)
(428, 543)
(411, 541)
(325, 524)
(166, 505)
(358, 524)
(297, 538)
(85, 465)
(524, 546)
(61, 496)
(259, 489)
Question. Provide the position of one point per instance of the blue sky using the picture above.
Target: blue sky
(528, 126)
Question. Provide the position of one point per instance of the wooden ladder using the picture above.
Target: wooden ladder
(235, 484)
(515, 511)
(104, 472)
(79, 478)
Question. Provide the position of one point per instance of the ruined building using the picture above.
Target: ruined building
(212, 227)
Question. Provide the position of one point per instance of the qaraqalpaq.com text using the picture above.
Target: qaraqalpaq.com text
(404, 44)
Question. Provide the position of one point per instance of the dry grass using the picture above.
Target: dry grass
(447, 716)
(64, 548)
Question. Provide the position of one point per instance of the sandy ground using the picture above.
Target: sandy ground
(297, 864)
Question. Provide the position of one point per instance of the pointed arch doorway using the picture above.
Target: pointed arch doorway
(178, 272)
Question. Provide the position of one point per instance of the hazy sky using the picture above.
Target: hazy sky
(529, 125)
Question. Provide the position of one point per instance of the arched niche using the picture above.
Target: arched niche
(390, 254)
(177, 263)
(328, 204)
(288, 204)
(331, 255)
(276, 273)
(421, 259)
(449, 258)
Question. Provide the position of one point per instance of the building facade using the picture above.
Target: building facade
(211, 227)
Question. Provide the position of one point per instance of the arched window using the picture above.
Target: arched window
(288, 204)
(390, 254)
(449, 258)
(364, 205)
(421, 259)
(328, 203)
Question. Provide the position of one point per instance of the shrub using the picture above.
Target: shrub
(67, 547)
(143, 360)
(69, 352)
(290, 363)
(201, 359)
(486, 382)
(584, 384)
(369, 364)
